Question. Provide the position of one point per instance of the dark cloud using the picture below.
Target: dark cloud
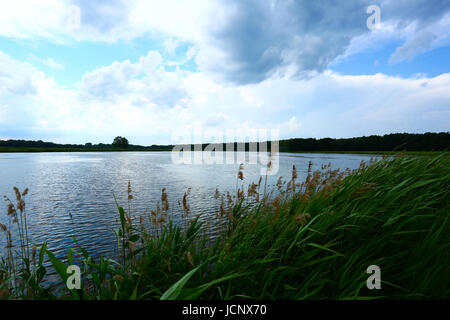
(259, 38)
(104, 15)
(422, 11)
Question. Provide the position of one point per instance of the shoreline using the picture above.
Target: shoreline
(56, 150)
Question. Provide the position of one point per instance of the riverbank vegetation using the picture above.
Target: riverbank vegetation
(426, 142)
(313, 239)
(93, 149)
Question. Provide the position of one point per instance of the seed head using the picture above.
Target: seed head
(164, 200)
(11, 209)
(21, 205)
(240, 173)
(118, 278)
(18, 195)
(252, 189)
(130, 196)
(186, 207)
(222, 207)
(302, 218)
(190, 259)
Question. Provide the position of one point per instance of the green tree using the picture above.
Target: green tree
(120, 142)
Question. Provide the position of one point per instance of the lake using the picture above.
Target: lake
(84, 184)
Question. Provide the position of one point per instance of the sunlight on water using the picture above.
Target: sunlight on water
(84, 184)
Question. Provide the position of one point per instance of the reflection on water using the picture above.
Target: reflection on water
(84, 184)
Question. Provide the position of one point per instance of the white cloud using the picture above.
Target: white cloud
(49, 62)
(102, 20)
(185, 19)
(147, 104)
(109, 82)
(171, 45)
(292, 125)
(242, 42)
(29, 19)
(423, 39)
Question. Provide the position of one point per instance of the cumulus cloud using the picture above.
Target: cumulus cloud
(142, 83)
(16, 78)
(30, 19)
(253, 40)
(241, 41)
(109, 81)
(147, 111)
(29, 100)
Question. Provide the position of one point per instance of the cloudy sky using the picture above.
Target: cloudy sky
(81, 71)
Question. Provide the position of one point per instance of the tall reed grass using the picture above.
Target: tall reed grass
(302, 240)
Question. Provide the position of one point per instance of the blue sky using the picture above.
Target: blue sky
(86, 71)
(75, 59)
(431, 63)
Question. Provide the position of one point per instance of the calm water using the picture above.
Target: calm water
(84, 184)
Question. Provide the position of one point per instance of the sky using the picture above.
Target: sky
(156, 72)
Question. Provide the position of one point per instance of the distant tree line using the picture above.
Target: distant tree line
(391, 142)
(118, 143)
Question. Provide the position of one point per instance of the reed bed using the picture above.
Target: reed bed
(301, 240)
